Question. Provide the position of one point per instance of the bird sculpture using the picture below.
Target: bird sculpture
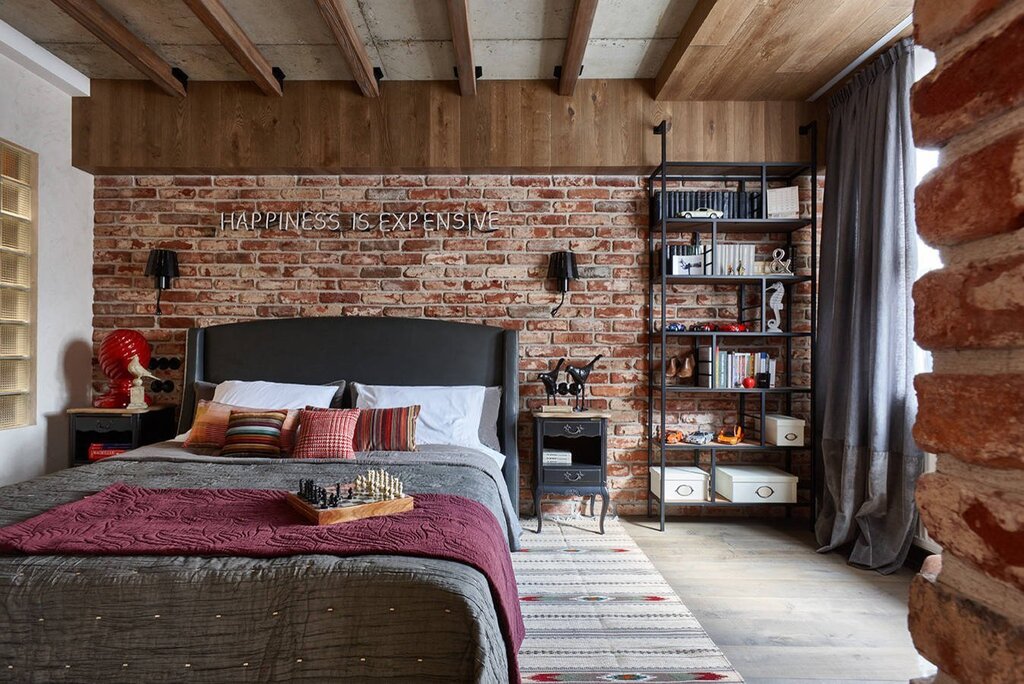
(579, 376)
(778, 292)
(137, 396)
(550, 380)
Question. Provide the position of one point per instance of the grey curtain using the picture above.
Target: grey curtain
(865, 356)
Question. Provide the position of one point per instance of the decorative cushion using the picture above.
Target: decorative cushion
(386, 429)
(254, 433)
(211, 423)
(326, 433)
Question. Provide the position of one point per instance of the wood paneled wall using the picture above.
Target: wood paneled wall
(328, 127)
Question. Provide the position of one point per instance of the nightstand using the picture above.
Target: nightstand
(585, 436)
(133, 427)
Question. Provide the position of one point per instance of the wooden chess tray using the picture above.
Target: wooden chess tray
(349, 509)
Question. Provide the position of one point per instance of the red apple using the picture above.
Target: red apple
(749, 383)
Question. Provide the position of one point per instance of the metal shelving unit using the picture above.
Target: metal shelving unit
(751, 403)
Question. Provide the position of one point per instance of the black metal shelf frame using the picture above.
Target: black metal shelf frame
(659, 283)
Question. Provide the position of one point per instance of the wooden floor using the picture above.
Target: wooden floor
(780, 611)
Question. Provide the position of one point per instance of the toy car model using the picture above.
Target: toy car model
(702, 327)
(675, 327)
(699, 437)
(702, 212)
(730, 434)
(731, 327)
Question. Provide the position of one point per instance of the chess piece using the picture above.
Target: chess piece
(778, 291)
(550, 380)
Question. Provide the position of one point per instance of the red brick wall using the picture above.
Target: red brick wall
(970, 619)
(496, 279)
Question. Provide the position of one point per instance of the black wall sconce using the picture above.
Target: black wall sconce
(162, 265)
(562, 268)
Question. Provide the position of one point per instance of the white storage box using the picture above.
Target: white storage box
(783, 430)
(686, 483)
(755, 484)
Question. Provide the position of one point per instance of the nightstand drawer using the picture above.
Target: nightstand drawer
(103, 423)
(570, 475)
(572, 428)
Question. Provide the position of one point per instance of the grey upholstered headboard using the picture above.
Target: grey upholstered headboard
(382, 351)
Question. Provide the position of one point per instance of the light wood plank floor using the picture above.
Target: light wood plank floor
(779, 610)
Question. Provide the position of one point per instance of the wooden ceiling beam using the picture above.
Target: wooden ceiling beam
(576, 45)
(104, 26)
(458, 18)
(227, 31)
(351, 46)
(670, 74)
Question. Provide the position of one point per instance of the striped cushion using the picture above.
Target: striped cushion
(211, 423)
(326, 433)
(386, 429)
(254, 433)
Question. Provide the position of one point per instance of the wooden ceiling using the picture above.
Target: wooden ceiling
(700, 50)
(771, 49)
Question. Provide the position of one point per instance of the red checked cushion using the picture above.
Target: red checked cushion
(326, 433)
(386, 429)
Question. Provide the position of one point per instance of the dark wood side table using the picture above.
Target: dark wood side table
(135, 427)
(585, 435)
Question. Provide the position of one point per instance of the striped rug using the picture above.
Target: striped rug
(597, 611)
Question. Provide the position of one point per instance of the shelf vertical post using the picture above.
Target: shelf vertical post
(811, 131)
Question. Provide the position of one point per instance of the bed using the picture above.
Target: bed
(359, 618)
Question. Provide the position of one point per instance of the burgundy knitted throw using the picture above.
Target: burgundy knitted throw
(123, 520)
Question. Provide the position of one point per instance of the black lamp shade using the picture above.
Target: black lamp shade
(162, 265)
(562, 268)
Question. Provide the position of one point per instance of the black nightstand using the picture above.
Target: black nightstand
(132, 427)
(585, 435)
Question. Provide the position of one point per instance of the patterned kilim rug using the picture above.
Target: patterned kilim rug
(598, 611)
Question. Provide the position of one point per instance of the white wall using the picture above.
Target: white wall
(36, 115)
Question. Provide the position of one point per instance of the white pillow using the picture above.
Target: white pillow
(276, 395)
(448, 415)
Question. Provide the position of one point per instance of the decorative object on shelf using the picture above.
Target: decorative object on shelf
(702, 327)
(730, 327)
(550, 380)
(780, 264)
(702, 212)
(675, 327)
(580, 374)
(749, 382)
(778, 292)
(680, 366)
(699, 437)
(763, 380)
(783, 202)
(116, 351)
(162, 266)
(673, 436)
(137, 394)
(562, 268)
(372, 494)
(730, 434)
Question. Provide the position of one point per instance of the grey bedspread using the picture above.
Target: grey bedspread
(163, 619)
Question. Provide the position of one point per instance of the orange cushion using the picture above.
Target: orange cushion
(210, 425)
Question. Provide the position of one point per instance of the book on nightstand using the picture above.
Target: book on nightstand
(557, 457)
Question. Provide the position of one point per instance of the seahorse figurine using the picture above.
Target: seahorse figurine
(550, 380)
(778, 292)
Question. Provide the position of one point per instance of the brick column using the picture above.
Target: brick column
(969, 620)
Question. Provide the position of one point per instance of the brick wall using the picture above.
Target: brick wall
(496, 279)
(970, 619)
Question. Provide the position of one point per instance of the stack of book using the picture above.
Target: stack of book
(732, 203)
(557, 457)
(727, 369)
(101, 450)
(734, 259)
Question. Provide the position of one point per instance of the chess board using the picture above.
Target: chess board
(356, 508)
